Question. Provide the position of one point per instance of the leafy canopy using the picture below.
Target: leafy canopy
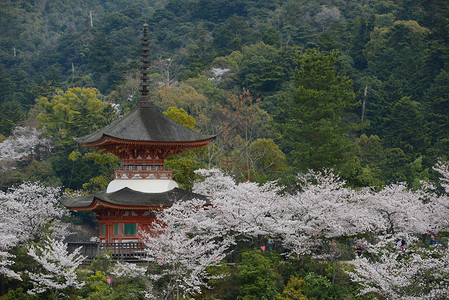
(73, 113)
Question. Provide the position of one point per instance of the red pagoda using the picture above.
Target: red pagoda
(142, 139)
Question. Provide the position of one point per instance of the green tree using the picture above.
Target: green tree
(267, 161)
(183, 165)
(395, 55)
(293, 290)
(359, 38)
(314, 134)
(180, 116)
(258, 275)
(41, 171)
(11, 113)
(105, 164)
(199, 55)
(395, 168)
(372, 158)
(271, 36)
(100, 60)
(436, 18)
(264, 68)
(372, 152)
(65, 116)
(437, 109)
(318, 287)
(185, 97)
(73, 113)
(208, 88)
(396, 65)
(406, 128)
(100, 54)
(233, 35)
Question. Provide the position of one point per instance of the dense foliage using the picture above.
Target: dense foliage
(390, 72)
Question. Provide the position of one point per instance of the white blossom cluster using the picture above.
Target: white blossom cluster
(117, 108)
(410, 273)
(28, 207)
(218, 73)
(192, 236)
(24, 210)
(24, 142)
(323, 209)
(58, 267)
(182, 245)
(128, 270)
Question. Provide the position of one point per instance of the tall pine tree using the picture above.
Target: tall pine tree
(314, 134)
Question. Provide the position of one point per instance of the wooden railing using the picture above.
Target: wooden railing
(125, 251)
(88, 249)
(131, 251)
(143, 174)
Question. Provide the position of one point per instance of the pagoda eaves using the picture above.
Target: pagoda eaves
(136, 200)
(146, 125)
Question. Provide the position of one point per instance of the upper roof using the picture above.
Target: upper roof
(145, 124)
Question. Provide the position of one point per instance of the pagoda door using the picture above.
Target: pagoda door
(109, 234)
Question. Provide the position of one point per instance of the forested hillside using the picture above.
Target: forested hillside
(358, 86)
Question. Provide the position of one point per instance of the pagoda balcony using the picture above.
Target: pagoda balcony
(143, 168)
(130, 251)
(143, 172)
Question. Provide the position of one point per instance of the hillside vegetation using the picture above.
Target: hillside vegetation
(357, 86)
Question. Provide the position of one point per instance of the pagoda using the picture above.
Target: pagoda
(143, 139)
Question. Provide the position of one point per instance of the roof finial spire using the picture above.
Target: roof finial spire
(144, 69)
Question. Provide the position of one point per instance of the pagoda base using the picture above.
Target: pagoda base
(142, 185)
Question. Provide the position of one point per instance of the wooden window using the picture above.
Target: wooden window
(103, 229)
(116, 229)
(130, 229)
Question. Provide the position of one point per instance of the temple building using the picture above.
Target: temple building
(143, 139)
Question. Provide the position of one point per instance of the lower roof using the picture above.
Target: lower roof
(127, 198)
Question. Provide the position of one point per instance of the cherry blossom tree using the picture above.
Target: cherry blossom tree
(413, 272)
(29, 207)
(23, 143)
(117, 108)
(397, 209)
(441, 203)
(129, 270)
(24, 211)
(181, 252)
(443, 169)
(323, 209)
(238, 209)
(7, 241)
(58, 267)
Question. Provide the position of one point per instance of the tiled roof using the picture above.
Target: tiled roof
(145, 124)
(127, 198)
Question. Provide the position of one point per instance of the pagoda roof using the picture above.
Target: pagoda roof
(146, 125)
(127, 198)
